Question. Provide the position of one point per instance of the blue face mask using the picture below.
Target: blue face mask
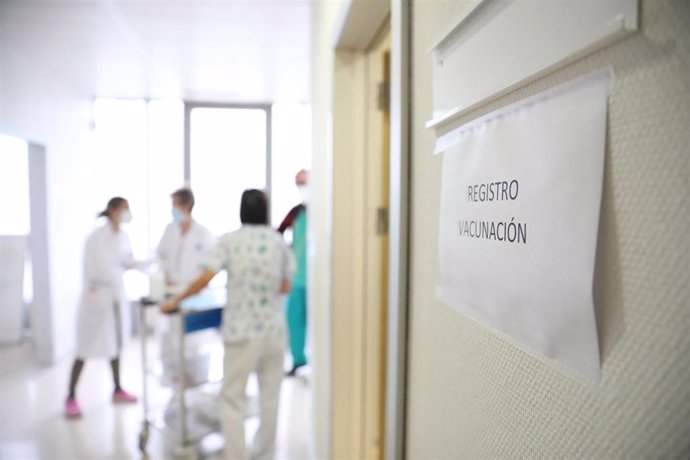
(178, 216)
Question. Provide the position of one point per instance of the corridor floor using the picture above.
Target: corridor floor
(32, 425)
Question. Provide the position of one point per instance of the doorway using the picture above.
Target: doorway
(376, 278)
(361, 184)
(25, 286)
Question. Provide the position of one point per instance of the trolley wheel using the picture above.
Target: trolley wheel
(144, 438)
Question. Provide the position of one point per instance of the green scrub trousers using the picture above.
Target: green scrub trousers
(297, 301)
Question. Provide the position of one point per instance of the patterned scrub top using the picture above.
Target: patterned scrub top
(257, 261)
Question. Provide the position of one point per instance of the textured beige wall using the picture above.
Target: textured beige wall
(472, 394)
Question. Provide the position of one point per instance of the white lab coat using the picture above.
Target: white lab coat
(104, 315)
(182, 259)
(182, 256)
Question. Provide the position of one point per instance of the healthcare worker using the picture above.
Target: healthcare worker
(296, 310)
(185, 244)
(259, 266)
(104, 314)
(182, 252)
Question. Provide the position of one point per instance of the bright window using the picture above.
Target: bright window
(291, 152)
(166, 163)
(139, 156)
(228, 156)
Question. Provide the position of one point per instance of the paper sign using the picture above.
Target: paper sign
(520, 202)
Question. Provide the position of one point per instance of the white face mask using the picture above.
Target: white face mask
(304, 193)
(178, 215)
(125, 217)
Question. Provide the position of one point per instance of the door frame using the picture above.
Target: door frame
(357, 28)
(399, 224)
(40, 311)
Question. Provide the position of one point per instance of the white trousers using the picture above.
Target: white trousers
(265, 358)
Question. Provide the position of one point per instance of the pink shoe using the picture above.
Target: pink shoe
(72, 409)
(121, 396)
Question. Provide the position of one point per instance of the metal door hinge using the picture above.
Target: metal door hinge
(382, 221)
(384, 95)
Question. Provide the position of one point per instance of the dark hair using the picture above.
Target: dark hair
(254, 207)
(113, 204)
(185, 196)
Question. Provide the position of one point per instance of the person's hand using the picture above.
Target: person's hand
(170, 306)
(144, 265)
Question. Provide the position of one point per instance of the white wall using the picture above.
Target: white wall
(42, 106)
(471, 394)
(41, 314)
(37, 106)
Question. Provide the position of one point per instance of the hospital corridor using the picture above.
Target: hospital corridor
(344, 229)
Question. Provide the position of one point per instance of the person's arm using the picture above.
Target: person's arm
(96, 267)
(289, 219)
(194, 288)
(287, 269)
(163, 255)
(285, 286)
(207, 243)
(128, 260)
(217, 260)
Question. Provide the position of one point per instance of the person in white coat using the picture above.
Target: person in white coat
(103, 317)
(185, 243)
(182, 252)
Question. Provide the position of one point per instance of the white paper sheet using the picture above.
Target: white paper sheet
(537, 164)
